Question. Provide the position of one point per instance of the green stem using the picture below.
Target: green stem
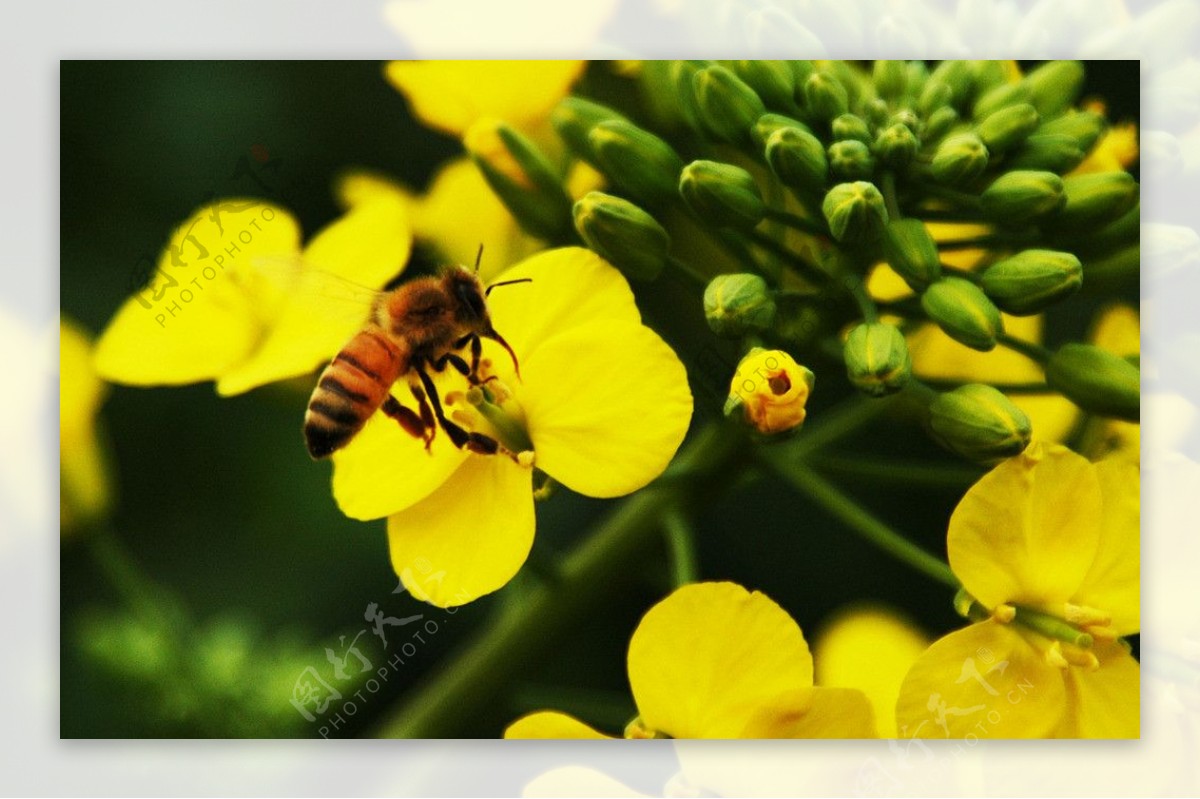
(959, 198)
(790, 258)
(850, 513)
(146, 599)
(688, 271)
(1035, 352)
(897, 471)
(797, 222)
(862, 298)
(681, 547)
(890, 200)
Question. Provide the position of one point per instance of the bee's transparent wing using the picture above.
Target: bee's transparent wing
(299, 283)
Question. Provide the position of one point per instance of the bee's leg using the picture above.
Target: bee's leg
(463, 439)
(414, 425)
(427, 416)
(454, 360)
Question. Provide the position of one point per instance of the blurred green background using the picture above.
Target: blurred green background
(250, 570)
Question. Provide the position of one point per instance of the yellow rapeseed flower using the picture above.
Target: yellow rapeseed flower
(601, 405)
(1045, 537)
(234, 298)
(714, 660)
(771, 390)
(85, 492)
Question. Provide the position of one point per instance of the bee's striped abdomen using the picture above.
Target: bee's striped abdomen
(351, 388)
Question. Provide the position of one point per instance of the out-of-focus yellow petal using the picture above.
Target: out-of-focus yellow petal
(1113, 583)
(469, 537)
(84, 492)
(1027, 532)
(955, 231)
(367, 247)
(583, 178)
(608, 405)
(1118, 329)
(885, 285)
(815, 713)
(459, 212)
(1105, 703)
(572, 287)
(218, 318)
(870, 649)
(550, 724)
(450, 95)
(384, 470)
(706, 659)
(986, 681)
(1116, 150)
(359, 186)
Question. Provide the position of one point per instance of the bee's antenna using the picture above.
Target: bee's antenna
(478, 257)
(507, 283)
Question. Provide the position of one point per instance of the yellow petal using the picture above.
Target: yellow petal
(450, 95)
(368, 246)
(815, 713)
(384, 470)
(83, 468)
(1105, 703)
(469, 537)
(708, 658)
(1118, 330)
(572, 287)
(884, 284)
(550, 724)
(939, 357)
(359, 186)
(607, 405)
(206, 321)
(870, 649)
(1027, 531)
(1113, 583)
(1117, 149)
(459, 212)
(955, 231)
(982, 682)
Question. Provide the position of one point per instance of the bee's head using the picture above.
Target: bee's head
(468, 293)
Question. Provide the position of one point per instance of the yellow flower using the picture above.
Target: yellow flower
(1116, 150)
(771, 389)
(601, 405)
(85, 493)
(451, 95)
(870, 648)
(230, 301)
(714, 660)
(1046, 542)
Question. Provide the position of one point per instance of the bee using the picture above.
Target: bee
(422, 324)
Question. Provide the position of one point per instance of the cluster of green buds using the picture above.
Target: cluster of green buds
(779, 185)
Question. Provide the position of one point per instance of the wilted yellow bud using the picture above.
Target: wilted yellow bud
(771, 389)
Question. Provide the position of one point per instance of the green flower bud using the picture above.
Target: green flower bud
(798, 159)
(964, 312)
(1054, 86)
(1096, 380)
(574, 118)
(773, 81)
(912, 252)
(917, 74)
(679, 77)
(1052, 152)
(1033, 280)
(875, 111)
(1096, 199)
(986, 75)
(735, 305)
(979, 423)
(769, 123)
(1114, 271)
(824, 96)
(851, 160)
(722, 194)
(891, 79)
(907, 118)
(959, 159)
(800, 71)
(998, 97)
(877, 359)
(1004, 129)
(637, 161)
(934, 95)
(1021, 195)
(896, 145)
(939, 124)
(521, 176)
(855, 211)
(623, 234)
(956, 75)
(728, 107)
(1083, 126)
(851, 126)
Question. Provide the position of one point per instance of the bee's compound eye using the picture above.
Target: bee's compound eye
(472, 299)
